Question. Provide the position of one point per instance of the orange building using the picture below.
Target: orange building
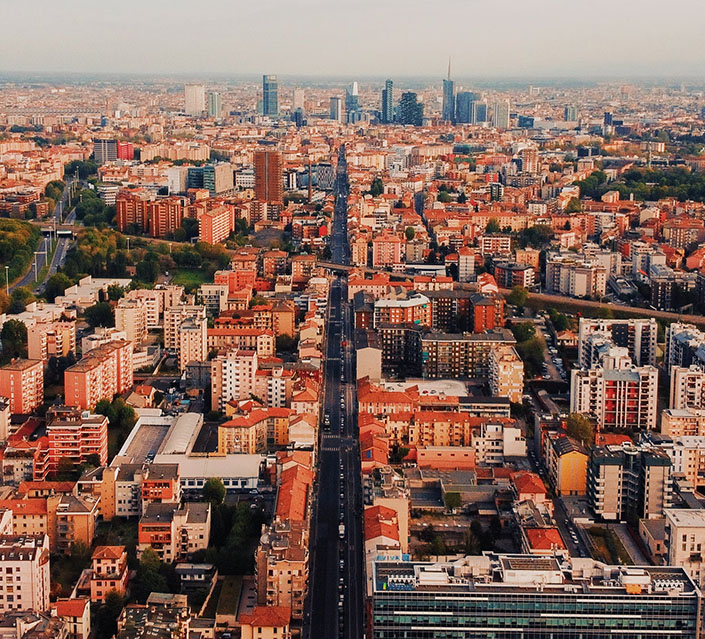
(215, 226)
(159, 218)
(22, 382)
(268, 176)
(108, 571)
(76, 436)
(104, 372)
(164, 216)
(51, 339)
(386, 250)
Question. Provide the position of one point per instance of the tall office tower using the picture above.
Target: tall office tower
(388, 102)
(501, 114)
(298, 101)
(352, 104)
(194, 99)
(410, 109)
(479, 112)
(297, 117)
(270, 96)
(214, 106)
(105, 150)
(570, 113)
(268, 176)
(336, 108)
(448, 111)
(464, 103)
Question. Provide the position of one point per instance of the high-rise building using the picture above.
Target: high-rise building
(479, 112)
(233, 376)
(298, 99)
(218, 178)
(464, 102)
(501, 114)
(336, 108)
(638, 336)
(214, 105)
(25, 562)
(105, 150)
(131, 318)
(268, 176)
(448, 110)
(570, 113)
(22, 382)
(270, 96)
(215, 226)
(387, 115)
(410, 109)
(76, 435)
(194, 99)
(352, 104)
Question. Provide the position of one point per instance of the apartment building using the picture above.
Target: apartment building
(244, 433)
(26, 572)
(231, 337)
(51, 339)
(506, 373)
(75, 435)
(233, 376)
(193, 343)
(638, 336)
(139, 211)
(173, 317)
(687, 388)
(685, 346)
(616, 393)
(131, 318)
(215, 226)
(22, 383)
(460, 355)
(413, 308)
(566, 460)
(576, 276)
(174, 532)
(386, 250)
(495, 245)
(683, 422)
(109, 572)
(101, 374)
(628, 482)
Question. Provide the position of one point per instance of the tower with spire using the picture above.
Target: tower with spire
(448, 110)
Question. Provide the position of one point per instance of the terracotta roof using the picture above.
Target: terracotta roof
(526, 482)
(267, 616)
(31, 506)
(71, 607)
(108, 552)
(544, 538)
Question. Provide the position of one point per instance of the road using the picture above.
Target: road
(335, 604)
(62, 244)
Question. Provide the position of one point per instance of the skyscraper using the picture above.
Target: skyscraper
(214, 106)
(501, 114)
(268, 176)
(336, 108)
(464, 102)
(352, 104)
(479, 112)
(410, 109)
(388, 102)
(448, 111)
(298, 101)
(194, 99)
(270, 96)
(570, 113)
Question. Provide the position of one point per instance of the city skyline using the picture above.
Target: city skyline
(552, 43)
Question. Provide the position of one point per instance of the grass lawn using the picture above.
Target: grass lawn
(189, 278)
(229, 595)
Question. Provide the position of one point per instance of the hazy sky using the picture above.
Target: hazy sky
(356, 37)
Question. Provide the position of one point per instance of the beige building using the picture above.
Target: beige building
(687, 388)
(266, 622)
(131, 317)
(173, 317)
(232, 377)
(193, 345)
(506, 373)
(679, 422)
(685, 541)
(51, 339)
(25, 564)
(174, 532)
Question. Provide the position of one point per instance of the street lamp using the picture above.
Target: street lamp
(7, 279)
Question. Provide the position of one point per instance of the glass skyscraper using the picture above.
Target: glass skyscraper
(270, 96)
(448, 113)
(388, 102)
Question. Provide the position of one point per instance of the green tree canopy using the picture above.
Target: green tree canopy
(581, 428)
(100, 314)
(377, 187)
(492, 226)
(214, 490)
(410, 233)
(518, 296)
(56, 285)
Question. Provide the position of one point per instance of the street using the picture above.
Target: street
(335, 603)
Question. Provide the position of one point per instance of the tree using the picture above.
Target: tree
(462, 198)
(377, 187)
(115, 292)
(452, 501)
(444, 196)
(492, 226)
(286, 343)
(241, 226)
(214, 491)
(573, 206)
(100, 314)
(559, 320)
(14, 339)
(108, 614)
(581, 428)
(518, 296)
(410, 233)
(65, 469)
(523, 331)
(147, 271)
(56, 285)
(19, 298)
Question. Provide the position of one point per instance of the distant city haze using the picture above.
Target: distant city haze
(602, 38)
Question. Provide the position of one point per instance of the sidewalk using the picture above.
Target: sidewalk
(638, 557)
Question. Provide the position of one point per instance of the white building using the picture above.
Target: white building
(193, 341)
(25, 567)
(194, 99)
(495, 441)
(685, 541)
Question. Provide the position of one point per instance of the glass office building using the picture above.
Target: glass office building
(530, 597)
